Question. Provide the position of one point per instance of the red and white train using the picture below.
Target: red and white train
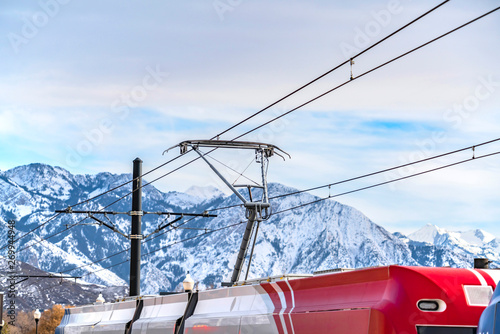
(381, 300)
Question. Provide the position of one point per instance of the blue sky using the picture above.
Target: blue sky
(91, 85)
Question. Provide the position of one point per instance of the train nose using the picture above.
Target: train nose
(489, 323)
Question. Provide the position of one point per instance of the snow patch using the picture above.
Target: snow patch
(206, 193)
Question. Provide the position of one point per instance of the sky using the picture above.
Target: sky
(91, 85)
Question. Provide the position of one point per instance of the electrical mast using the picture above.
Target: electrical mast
(256, 210)
(135, 235)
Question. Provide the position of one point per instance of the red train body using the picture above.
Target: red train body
(382, 300)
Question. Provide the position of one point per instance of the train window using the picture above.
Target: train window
(445, 330)
(478, 295)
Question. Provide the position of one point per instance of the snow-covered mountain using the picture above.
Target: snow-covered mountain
(43, 293)
(454, 248)
(204, 193)
(321, 236)
(438, 236)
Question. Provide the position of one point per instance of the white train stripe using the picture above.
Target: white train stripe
(494, 274)
(293, 306)
(479, 276)
(283, 306)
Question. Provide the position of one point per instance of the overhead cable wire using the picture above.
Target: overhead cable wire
(473, 147)
(170, 245)
(97, 196)
(106, 268)
(370, 174)
(148, 239)
(386, 170)
(80, 221)
(157, 179)
(368, 72)
(52, 235)
(107, 206)
(329, 91)
(55, 234)
(313, 202)
(95, 262)
(91, 199)
(332, 69)
(193, 237)
(308, 203)
(257, 113)
(68, 228)
(317, 97)
(33, 230)
(280, 100)
(128, 182)
(46, 238)
(337, 87)
(390, 181)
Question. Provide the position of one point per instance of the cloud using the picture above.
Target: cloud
(70, 90)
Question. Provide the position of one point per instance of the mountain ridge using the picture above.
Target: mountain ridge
(324, 235)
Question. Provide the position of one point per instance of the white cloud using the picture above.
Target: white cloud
(65, 81)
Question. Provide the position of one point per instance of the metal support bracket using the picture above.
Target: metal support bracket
(256, 211)
(136, 213)
(111, 227)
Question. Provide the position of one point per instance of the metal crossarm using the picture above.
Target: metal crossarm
(135, 236)
(269, 149)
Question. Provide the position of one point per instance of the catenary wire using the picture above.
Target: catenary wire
(234, 170)
(95, 262)
(50, 236)
(128, 182)
(368, 72)
(332, 70)
(390, 181)
(170, 245)
(316, 188)
(125, 250)
(369, 174)
(310, 203)
(331, 90)
(276, 102)
(251, 116)
(320, 96)
(274, 119)
(55, 234)
(293, 193)
(319, 200)
(33, 230)
(386, 170)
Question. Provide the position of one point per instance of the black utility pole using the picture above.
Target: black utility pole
(136, 234)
